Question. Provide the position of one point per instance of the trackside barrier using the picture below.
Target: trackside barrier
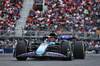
(99, 51)
(35, 34)
(6, 50)
(1, 50)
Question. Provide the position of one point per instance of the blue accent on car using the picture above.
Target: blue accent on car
(55, 54)
(51, 43)
(27, 54)
(65, 37)
(41, 49)
(58, 55)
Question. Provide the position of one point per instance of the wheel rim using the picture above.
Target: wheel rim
(83, 49)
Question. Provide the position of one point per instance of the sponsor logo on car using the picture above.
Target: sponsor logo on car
(27, 54)
(55, 54)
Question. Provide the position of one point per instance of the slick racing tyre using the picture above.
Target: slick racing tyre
(20, 49)
(79, 50)
(66, 49)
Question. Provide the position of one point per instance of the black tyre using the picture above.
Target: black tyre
(79, 50)
(20, 49)
(66, 49)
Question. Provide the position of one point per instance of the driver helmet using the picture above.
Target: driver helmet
(52, 39)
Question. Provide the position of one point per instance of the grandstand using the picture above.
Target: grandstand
(34, 18)
(9, 14)
(65, 16)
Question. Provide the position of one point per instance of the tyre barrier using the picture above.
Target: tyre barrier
(6, 50)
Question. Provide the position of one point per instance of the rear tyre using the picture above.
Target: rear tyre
(20, 49)
(66, 50)
(79, 50)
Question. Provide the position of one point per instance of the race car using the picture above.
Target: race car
(54, 46)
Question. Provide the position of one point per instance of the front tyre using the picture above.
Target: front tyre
(79, 50)
(66, 50)
(20, 49)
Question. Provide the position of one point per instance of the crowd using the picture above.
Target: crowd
(9, 13)
(66, 15)
(38, 1)
(8, 43)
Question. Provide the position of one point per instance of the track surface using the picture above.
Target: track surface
(90, 60)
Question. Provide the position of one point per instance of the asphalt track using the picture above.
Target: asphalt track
(90, 60)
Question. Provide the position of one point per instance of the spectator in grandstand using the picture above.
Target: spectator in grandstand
(9, 13)
(1, 43)
(7, 43)
(38, 1)
(66, 15)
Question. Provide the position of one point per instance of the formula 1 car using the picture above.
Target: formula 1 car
(51, 46)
